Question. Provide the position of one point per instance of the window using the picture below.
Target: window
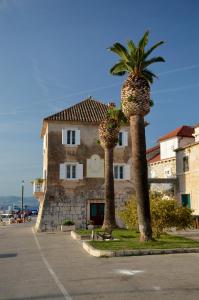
(119, 172)
(185, 163)
(71, 137)
(167, 172)
(122, 139)
(71, 171)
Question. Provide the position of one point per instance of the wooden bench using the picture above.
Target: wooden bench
(103, 235)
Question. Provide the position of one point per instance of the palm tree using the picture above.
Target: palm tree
(135, 100)
(108, 137)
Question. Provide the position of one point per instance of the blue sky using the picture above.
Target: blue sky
(54, 54)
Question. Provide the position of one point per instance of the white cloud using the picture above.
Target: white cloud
(39, 78)
(5, 4)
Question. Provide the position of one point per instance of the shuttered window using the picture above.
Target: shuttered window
(121, 171)
(122, 139)
(71, 171)
(70, 137)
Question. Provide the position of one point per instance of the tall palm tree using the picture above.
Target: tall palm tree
(108, 136)
(135, 100)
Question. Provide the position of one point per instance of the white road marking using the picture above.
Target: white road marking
(157, 288)
(50, 270)
(128, 272)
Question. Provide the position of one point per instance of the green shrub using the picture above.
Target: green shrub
(165, 214)
(68, 223)
(129, 214)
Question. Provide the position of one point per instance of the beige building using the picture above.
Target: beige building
(73, 168)
(162, 159)
(187, 164)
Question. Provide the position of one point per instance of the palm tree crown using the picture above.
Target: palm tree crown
(134, 59)
(110, 126)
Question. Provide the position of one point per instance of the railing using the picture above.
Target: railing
(38, 187)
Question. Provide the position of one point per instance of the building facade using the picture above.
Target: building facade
(162, 163)
(73, 168)
(187, 172)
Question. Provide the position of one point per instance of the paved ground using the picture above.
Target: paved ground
(51, 266)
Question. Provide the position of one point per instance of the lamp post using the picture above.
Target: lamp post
(22, 193)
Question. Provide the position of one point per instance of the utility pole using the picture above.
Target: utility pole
(22, 194)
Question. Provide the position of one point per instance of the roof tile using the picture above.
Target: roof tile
(185, 131)
(88, 110)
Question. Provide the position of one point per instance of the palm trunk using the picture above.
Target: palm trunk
(140, 172)
(109, 213)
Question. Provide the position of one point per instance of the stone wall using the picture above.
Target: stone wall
(158, 168)
(58, 206)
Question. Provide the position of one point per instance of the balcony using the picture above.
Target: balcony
(38, 187)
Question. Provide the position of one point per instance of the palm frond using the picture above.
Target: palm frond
(120, 50)
(135, 59)
(152, 61)
(119, 69)
(131, 47)
(144, 40)
(148, 75)
(147, 53)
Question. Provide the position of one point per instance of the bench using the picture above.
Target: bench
(103, 235)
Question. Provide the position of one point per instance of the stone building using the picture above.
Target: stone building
(187, 172)
(73, 168)
(162, 159)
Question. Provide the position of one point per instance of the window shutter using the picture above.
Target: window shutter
(62, 171)
(79, 171)
(64, 136)
(127, 172)
(77, 132)
(125, 138)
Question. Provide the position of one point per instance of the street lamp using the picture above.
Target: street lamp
(22, 192)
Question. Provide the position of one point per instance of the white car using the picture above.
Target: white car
(5, 218)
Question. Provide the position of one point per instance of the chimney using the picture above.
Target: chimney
(111, 104)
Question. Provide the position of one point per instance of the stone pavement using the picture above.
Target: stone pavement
(53, 266)
(192, 233)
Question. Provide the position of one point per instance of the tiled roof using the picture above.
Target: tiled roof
(88, 110)
(152, 149)
(154, 159)
(184, 130)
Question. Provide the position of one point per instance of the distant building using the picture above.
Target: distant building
(162, 159)
(187, 172)
(72, 187)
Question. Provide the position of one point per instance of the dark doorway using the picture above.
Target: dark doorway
(186, 201)
(97, 213)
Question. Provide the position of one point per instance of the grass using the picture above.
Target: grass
(129, 239)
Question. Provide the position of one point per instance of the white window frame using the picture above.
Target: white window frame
(64, 170)
(74, 133)
(124, 139)
(126, 171)
(167, 172)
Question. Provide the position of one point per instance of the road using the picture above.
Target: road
(50, 266)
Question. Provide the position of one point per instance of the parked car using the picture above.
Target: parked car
(6, 217)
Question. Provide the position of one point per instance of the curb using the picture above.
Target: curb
(137, 252)
(79, 237)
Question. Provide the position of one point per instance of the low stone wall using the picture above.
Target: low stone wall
(58, 206)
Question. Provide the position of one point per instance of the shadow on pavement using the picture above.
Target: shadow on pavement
(8, 255)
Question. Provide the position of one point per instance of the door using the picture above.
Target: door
(186, 201)
(97, 213)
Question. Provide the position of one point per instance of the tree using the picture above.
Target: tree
(108, 137)
(165, 214)
(136, 102)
